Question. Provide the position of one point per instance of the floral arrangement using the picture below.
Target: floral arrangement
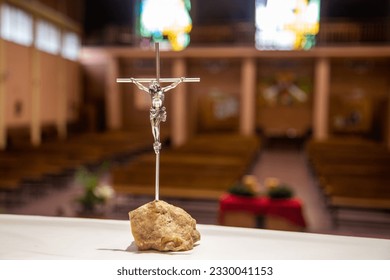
(248, 186)
(95, 193)
(277, 189)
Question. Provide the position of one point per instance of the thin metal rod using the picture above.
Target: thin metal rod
(162, 80)
(157, 183)
(157, 48)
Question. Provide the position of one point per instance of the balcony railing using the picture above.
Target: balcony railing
(349, 32)
(331, 33)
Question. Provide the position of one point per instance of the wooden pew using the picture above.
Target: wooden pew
(204, 168)
(23, 162)
(359, 192)
(353, 173)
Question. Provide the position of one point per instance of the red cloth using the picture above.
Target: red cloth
(290, 209)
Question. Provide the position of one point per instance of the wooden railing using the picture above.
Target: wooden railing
(340, 32)
(331, 33)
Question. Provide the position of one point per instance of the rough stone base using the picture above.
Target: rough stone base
(164, 227)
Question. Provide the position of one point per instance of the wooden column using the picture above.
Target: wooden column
(62, 98)
(35, 128)
(388, 122)
(248, 97)
(179, 124)
(113, 98)
(321, 99)
(3, 128)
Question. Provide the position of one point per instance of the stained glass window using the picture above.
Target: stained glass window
(286, 24)
(166, 21)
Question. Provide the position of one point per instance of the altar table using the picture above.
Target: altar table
(287, 209)
(38, 237)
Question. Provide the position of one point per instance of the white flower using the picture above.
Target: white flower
(105, 192)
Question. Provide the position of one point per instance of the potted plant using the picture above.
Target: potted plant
(95, 193)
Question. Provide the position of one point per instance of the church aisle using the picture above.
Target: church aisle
(289, 164)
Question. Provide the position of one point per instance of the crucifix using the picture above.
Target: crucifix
(158, 112)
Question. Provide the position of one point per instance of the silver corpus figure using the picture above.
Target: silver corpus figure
(158, 112)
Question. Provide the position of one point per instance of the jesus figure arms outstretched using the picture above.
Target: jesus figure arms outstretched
(158, 112)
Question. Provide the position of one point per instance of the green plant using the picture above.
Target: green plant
(241, 190)
(94, 193)
(280, 192)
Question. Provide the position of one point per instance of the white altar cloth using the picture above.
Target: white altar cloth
(37, 237)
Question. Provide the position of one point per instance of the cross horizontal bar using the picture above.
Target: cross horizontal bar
(162, 80)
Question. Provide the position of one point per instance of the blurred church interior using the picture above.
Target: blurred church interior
(288, 129)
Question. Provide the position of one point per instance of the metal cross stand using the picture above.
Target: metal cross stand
(158, 112)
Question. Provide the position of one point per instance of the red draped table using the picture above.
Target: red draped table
(262, 209)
